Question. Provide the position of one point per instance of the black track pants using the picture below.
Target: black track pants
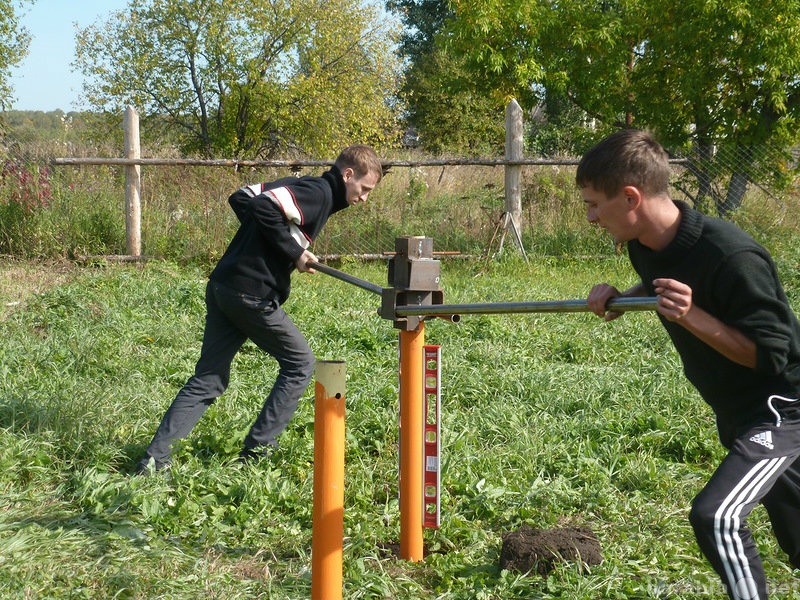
(762, 466)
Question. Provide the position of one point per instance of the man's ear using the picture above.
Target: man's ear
(348, 173)
(633, 196)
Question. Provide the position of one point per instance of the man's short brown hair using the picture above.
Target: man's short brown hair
(627, 157)
(362, 159)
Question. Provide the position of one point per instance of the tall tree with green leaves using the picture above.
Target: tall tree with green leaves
(422, 20)
(445, 110)
(703, 74)
(14, 42)
(252, 79)
(733, 89)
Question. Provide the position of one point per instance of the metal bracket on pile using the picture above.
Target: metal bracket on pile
(414, 276)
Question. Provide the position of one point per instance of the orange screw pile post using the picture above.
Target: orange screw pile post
(411, 443)
(328, 515)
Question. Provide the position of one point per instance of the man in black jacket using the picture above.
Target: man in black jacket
(722, 303)
(278, 222)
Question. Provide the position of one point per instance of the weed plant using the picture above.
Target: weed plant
(548, 420)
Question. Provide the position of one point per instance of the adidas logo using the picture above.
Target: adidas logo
(764, 438)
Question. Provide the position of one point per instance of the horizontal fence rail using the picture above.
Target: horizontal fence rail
(298, 164)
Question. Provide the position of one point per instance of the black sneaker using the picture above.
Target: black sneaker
(149, 465)
(249, 456)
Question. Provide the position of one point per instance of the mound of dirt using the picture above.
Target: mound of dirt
(539, 550)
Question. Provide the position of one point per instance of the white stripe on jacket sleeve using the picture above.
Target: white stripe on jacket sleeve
(284, 199)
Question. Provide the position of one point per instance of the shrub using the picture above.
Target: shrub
(25, 185)
(24, 191)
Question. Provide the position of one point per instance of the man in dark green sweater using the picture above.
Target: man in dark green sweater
(244, 296)
(722, 303)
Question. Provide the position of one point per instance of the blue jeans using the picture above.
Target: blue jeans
(231, 318)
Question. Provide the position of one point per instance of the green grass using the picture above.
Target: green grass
(548, 420)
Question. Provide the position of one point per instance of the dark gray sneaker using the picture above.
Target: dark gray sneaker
(148, 466)
(250, 456)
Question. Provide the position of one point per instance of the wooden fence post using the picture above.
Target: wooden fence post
(513, 152)
(133, 184)
(513, 175)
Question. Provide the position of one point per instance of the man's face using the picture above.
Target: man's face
(612, 214)
(358, 188)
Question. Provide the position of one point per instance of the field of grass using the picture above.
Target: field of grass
(548, 420)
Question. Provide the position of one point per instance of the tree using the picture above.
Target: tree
(422, 20)
(734, 94)
(702, 74)
(247, 79)
(448, 113)
(14, 42)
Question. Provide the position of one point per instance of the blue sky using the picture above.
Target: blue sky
(44, 81)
